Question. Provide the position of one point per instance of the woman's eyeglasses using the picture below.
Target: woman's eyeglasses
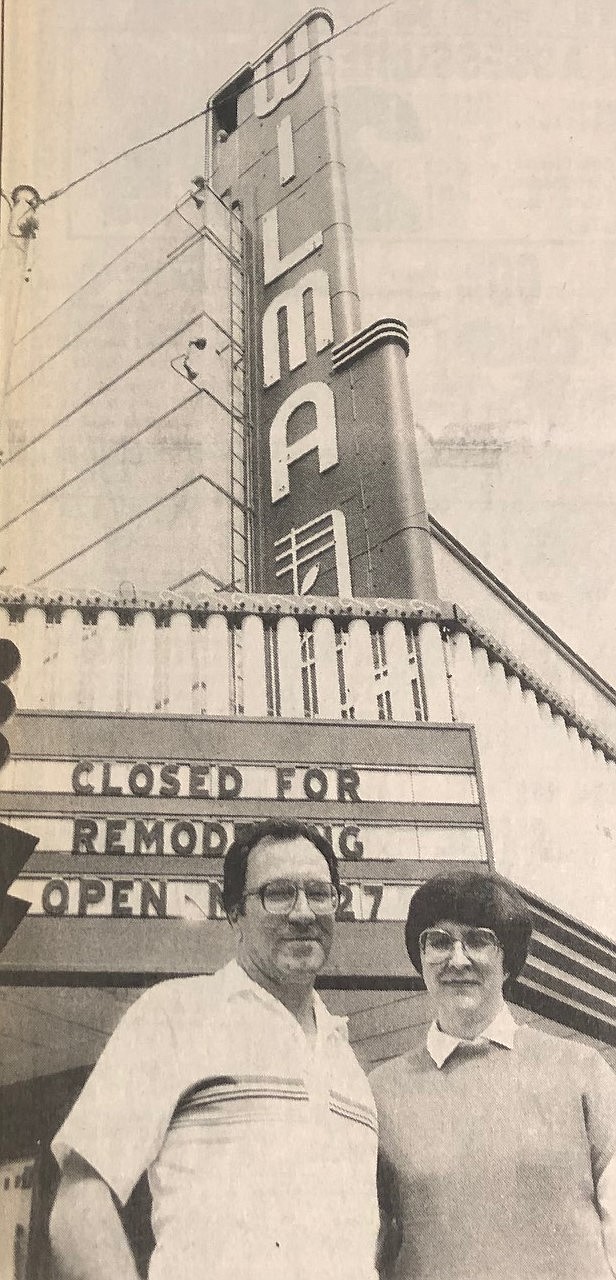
(438, 944)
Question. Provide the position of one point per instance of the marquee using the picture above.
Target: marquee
(133, 815)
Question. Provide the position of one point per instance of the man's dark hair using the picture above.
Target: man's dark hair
(236, 860)
(481, 899)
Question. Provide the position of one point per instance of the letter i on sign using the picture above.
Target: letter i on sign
(286, 151)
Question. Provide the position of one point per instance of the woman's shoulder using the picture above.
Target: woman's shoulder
(394, 1073)
(561, 1051)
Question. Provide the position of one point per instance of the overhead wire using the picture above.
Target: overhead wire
(131, 150)
(105, 457)
(101, 390)
(184, 247)
(94, 277)
(156, 138)
(138, 515)
(182, 124)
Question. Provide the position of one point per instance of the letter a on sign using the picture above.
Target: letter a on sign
(278, 84)
(323, 436)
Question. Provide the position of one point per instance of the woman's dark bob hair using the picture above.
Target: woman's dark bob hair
(482, 899)
(236, 860)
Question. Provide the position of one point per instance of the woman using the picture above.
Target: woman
(498, 1142)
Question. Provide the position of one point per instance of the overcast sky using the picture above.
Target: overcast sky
(479, 143)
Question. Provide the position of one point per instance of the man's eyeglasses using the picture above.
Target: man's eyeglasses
(279, 897)
(438, 944)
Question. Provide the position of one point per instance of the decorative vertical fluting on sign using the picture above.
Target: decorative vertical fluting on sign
(328, 683)
(396, 646)
(141, 666)
(217, 659)
(68, 667)
(290, 668)
(253, 667)
(107, 674)
(32, 679)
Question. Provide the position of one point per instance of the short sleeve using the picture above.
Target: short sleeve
(120, 1119)
(600, 1113)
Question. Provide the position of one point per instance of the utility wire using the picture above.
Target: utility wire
(124, 444)
(185, 247)
(207, 110)
(173, 493)
(56, 194)
(198, 233)
(98, 273)
(101, 390)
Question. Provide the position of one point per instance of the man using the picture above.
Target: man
(239, 1095)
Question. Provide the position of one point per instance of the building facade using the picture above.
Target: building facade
(231, 602)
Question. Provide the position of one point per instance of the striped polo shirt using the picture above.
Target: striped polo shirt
(260, 1145)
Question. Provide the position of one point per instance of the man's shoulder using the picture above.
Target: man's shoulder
(175, 997)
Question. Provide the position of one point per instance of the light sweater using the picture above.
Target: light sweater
(490, 1163)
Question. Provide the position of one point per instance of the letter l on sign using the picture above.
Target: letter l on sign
(273, 265)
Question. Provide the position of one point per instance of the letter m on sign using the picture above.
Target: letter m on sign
(315, 283)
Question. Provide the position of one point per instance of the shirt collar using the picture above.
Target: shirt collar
(238, 984)
(501, 1031)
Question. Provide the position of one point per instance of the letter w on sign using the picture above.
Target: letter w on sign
(315, 550)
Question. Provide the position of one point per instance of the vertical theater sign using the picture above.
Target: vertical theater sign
(338, 488)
